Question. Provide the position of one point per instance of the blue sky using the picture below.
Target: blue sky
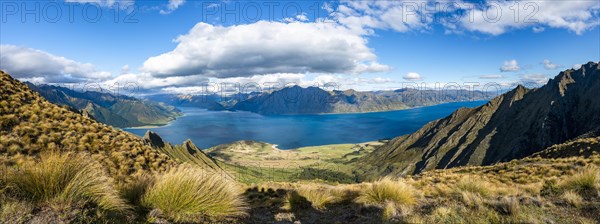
(176, 46)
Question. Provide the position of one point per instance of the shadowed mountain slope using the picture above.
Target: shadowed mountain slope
(514, 125)
(118, 111)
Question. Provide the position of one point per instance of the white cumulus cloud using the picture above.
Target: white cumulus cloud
(510, 66)
(491, 76)
(533, 80)
(265, 48)
(31, 64)
(498, 17)
(412, 76)
(488, 17)
(549, 65)
(172, 6)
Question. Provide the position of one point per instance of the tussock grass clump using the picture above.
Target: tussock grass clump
(586, 181)
(319, 197)
(186, 194)
(572, 198)
(508, 206)
(388, 190)
(294, 201)
(64, 179)
(473, 185)
(399, 213)
(472, 200)
(445, 214)
(134, 190)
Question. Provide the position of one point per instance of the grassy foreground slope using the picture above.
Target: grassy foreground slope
(553, 186)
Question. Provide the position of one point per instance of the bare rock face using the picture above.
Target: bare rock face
(154, 139)
(186, 152)
(514, 125)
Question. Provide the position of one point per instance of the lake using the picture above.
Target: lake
(211, 128)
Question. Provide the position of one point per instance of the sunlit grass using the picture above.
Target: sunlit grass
(187, 194)
(388, 190)
(65, 179)
(586, 181)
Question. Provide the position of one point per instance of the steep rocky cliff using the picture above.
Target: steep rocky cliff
(514, 125)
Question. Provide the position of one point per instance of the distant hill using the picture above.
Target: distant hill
(119, 111)
(313, 100)
(514, 125)
(214, 102)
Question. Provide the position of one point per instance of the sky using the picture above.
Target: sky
(197, 47)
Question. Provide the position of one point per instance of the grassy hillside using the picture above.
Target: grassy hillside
(59, 166)
(30, 124)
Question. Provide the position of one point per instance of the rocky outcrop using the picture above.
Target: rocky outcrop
(514, 125)
(154, 139)
(186, 152)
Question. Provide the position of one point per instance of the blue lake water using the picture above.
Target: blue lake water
(211, 128)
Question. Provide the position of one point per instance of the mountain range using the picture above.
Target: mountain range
(313, 100)
(118, 111)
(513, 125)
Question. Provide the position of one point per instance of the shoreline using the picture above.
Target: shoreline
(156, 125)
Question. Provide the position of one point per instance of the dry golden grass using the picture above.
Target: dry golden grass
(64, 179)
(319, 197)
(473, 185)
(585, 181)
(572, 198)
(187, 194)
(388, 190)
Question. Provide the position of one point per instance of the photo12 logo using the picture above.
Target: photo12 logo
(441, 12)
(70, 12)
